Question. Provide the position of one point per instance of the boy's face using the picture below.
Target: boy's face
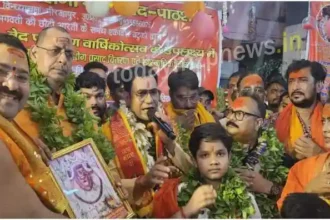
(212, 160)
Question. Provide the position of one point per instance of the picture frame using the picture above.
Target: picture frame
(84, 179)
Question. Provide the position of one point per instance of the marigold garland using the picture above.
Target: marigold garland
(49, 122)
(232, 199)
(271, 168)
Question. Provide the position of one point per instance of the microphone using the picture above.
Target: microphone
(166, 128)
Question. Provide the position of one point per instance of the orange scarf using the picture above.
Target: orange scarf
(128, 157)
(166, 200)
(301, 174)
(202, 116)
(31, 128)
(31, 166)
(283, 125)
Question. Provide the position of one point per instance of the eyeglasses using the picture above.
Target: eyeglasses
(250, 91)
(239, 115)
(57, 51)
(143, 93)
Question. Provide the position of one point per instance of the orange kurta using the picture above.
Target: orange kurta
(31, 166)
(285, 134)
(30, 128)
(301, 174)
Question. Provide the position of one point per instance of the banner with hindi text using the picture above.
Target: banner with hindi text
(159, 35)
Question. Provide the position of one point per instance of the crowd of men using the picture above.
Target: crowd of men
(264, 157)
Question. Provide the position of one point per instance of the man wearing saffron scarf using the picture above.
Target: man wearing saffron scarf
(211, 149)
(299, 125)
(185, 108)
(311, 175)
(18, 158)
(53, 55)
(142, 156)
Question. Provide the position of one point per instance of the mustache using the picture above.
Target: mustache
(4, 89)
(231, 123)
(297, 92)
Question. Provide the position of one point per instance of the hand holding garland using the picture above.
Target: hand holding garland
(202, 197)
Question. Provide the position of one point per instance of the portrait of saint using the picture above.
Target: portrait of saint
(85, 184)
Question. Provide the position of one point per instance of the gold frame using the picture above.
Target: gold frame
(98, 155)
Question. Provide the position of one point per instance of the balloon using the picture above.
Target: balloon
(309, 23)
(97, 9)
(203, 26)
(126, 8)
(191, 8)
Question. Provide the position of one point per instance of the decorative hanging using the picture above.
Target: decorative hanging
(225, 28)
(252, 23)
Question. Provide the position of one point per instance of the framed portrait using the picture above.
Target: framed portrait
(85, 181)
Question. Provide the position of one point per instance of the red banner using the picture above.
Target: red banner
(319, 43)
(158, 35)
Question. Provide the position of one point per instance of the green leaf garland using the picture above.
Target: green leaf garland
(75, 106)
(232, 199)
(271, 168)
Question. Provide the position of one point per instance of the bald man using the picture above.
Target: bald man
(244, 123)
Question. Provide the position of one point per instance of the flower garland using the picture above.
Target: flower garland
(141, 134)
(183, 138)
(271, 167)
(232, 199)
(75, 106)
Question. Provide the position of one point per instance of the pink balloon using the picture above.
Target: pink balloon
(203, 26)
(327, 28)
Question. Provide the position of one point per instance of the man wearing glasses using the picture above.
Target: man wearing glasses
(244, 123)
(185, 108)
(51, 57)
(143, 152)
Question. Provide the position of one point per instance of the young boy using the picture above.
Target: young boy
(202, 196)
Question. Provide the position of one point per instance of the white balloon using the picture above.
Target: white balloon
(97, 9)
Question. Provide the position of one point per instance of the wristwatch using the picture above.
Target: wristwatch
(276, 190)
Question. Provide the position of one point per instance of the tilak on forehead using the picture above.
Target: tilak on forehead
(252, 80)
(62, 40)
(16, 52)
(299, 74)
(240, 102)
(326, 111)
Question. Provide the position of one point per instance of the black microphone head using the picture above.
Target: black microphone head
(151, 113)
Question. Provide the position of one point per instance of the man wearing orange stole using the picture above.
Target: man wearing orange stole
(141, 155)
(311, 175)
(22, 168)
(56, 115)
(299, 125)
(185, 109)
